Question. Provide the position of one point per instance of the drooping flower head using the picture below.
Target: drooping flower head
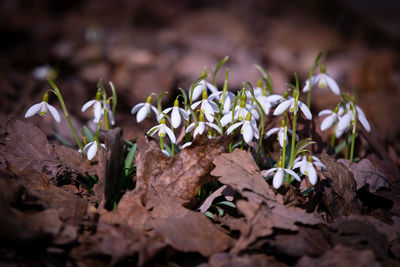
(249, 129)
(97, 108)
(41, 109)
(176, 114)
(143, 110)
(324, 81)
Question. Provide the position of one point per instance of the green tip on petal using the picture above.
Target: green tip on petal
(248, 116)
(309, 158)
(162, 120)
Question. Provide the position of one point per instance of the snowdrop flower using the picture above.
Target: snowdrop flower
(240, 112)
(201, 125)
(109, 114)
(143, 110)
(44, 72)
(166, 153)
(200, 87)
(278, 177)
(176, 114)
(185, 145)
(333, 117)
(162, 129)
(347, 119)
(96, 103)
(209, 108)
(41, 109)
(91, 149)
(307, 168)
(281, 133)
(289, 103)
(267, 102)
(323, 80)
(248, 130)
(228, 101)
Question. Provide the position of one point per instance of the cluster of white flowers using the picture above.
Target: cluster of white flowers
(225, 112)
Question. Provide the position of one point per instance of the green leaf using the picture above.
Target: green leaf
(220, 211)
(195, 83)
(88, 133)
(129, 158)
(266, 78)
(209, 215)
(62, 140)
(214, 75)
(227, 203)
(114, 98)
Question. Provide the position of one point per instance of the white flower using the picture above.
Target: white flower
(229, 99)
(202, 85)
(307, 168)
(185, 145)
(91, 149)
(289, 103)
(278, 177)
(201, 125)
(41, 109)
(176, 114)
(240, 113)
(248, 130)
(209, 108)
(333, 117)
(143, 110)
(162, 129)
(267, 102)
(347, 119)
(324, 81)
(281, 134)
(97, 108)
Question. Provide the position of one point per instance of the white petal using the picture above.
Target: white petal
(33, 110)
(153, 130)
(211, 87)
(305, 110)
(247, 132)
(184, 114)
(226, 119)
(54, 112)
(325, 112)
(293, 174)
(185, 145)
(87, 105)
(272, 131)
(166, 153)
(143, 112)
(195, 104)
(282, 107)
(97, 111)
(190, 127)
(363, 119)
(208, 111)
(175, 118)
(327, 122)
(344, 122)
(197, 90)
(306, 86)
(312, 175)
(92, 151)
(212, 125)
(86, 148)
(199, 130)
(278, 178)
(320, 164)
(213, 106)
(273, 98)
(171, 134)
(136, 108)
(333, 85)
(233, 127)
(268, 172)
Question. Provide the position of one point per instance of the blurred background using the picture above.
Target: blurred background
(155, 46)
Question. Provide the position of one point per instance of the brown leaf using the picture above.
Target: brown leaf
(182, 175)
(341, 256)
(191, 231)
(366, 173)
(234, 260)
(222, 191)
(238, 170)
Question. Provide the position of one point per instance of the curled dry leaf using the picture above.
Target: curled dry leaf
(224, 190)
(366, 173)
(227, 259)
(262, 213)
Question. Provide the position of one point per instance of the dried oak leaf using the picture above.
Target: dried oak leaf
(261, 211)
(114, 243)
(163, 186)
(181, 176)
(341, 256)
(366, 173)
(238, 170)
(26, 147)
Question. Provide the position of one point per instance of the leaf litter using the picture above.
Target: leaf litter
(44, 207)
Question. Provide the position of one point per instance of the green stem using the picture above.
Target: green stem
(292, 155)
(105, 115)
(347, 148)
(353, 137)
(172, 145)
(242, 145)
(333, 138)
(284, 139)
(57, 92)
(161, 142)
